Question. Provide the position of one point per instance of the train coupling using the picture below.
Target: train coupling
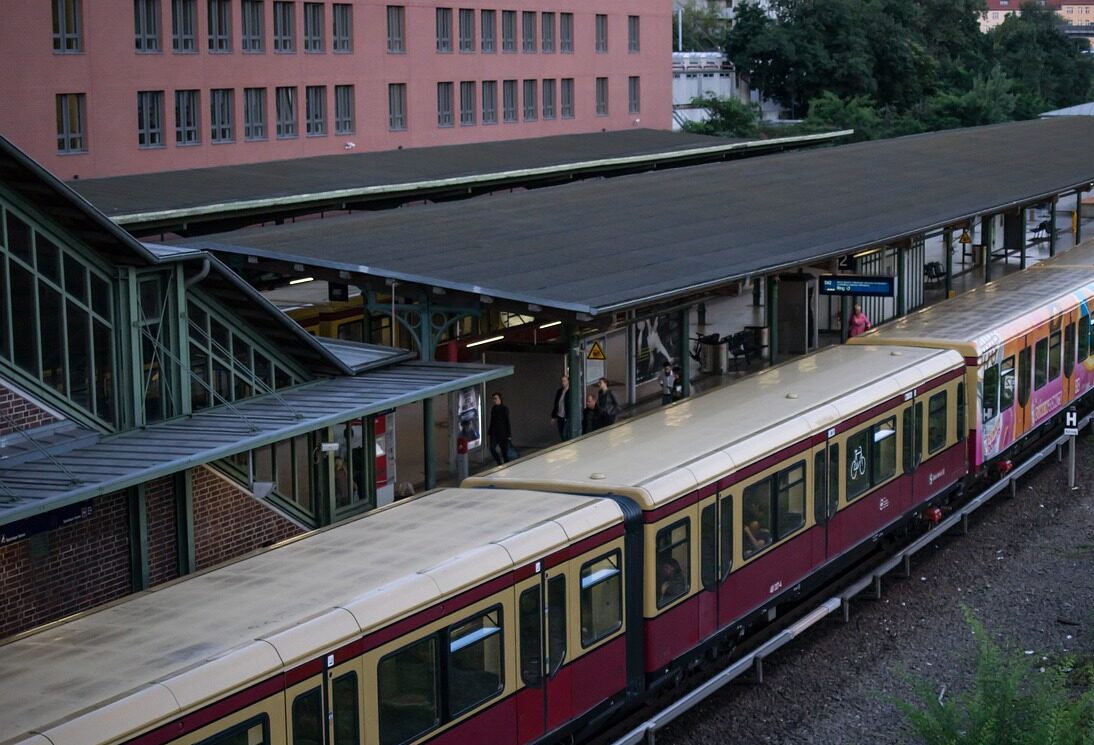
(932, 516)
(1003, 467)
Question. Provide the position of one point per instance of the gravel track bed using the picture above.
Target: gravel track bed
(1026, 570)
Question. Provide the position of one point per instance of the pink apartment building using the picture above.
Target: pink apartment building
(97, 88)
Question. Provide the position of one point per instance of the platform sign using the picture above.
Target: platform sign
(835, 284)
(1071, 423)
(595, 360)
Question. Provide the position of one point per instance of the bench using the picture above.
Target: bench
(934, 272)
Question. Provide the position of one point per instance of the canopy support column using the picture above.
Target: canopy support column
(184, 522)
(947, 240)
(771, 316)
(138, 538)
(1052, 227)
(685, 357)
(987, 222)
(577, 380)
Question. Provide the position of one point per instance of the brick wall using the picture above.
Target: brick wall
(66, 570)
(229, 522)
(163, 559)
(19, 413)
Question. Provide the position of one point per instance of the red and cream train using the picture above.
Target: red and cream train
(547, 595)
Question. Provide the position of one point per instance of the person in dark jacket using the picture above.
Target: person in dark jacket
(560, 409)
(607, 408)
(588, 415)
(499, 432)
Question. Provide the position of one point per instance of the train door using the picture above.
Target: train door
(544, 702)
(324, 709)
(1022, 419)
(911, 447)
(1069, 360)
(825, 493)
(715, 555)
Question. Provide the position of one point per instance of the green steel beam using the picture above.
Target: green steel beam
(577, 379)
(138, 538)
(947, 240)
(685, 346)
(987, 239)
(184, 522)
(1052, 227)
(772, 318)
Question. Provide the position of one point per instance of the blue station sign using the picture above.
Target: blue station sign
(833, 284)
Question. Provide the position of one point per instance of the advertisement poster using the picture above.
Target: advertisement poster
(469, 416)
(657, 340)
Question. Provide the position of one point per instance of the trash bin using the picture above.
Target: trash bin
(712, 358)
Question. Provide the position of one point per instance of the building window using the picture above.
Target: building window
(63, 306)
(315, 114)
(313, 27)
(444, 29)
(66, 26)
(489, 31)
(284, 26)
(342, 39)
(567, 98)
(547, 32)
(70, 123)
(146, 23)
(254, 113)
(467, 30)
(489, 102)
(220, 25)
(187, 118)
(396, 33)
(467, 103)
(566, 32)
(396, 106)
(286, 112)
(509, 31)
(632, 34)
(254, 22)
(549, 99)
(343, 109)
(183, 25)
(444, 104)
(634, 100)
(601, 32)
(601, 96)
(528, 39)
(509, 100)
(150, 118)
(220, 115)
(531, 100)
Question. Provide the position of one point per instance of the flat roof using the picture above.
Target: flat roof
(413, 173)
(32, 487)
(597, 246)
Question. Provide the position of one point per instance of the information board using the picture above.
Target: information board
(833, 284)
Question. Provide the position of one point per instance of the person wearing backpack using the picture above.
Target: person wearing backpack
(607, 407)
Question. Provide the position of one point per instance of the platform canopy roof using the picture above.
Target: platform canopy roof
(600, 246)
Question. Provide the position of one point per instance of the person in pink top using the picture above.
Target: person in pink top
(859, 322)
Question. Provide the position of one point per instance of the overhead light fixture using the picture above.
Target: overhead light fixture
(301, 281)
(484, 341)
(552, 323)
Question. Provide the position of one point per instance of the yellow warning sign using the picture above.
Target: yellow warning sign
(965, 237)
(596, 352)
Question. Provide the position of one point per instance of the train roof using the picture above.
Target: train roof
(670, 451)
(175, 647)
(981, 319)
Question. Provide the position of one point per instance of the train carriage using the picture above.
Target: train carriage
(422, 622)
(1026, 342)
(750, 491)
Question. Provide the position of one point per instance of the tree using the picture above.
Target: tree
(829, 111)
(726, 117)
(704, 27)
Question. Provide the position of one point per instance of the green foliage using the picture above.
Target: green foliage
(704, 27)
(726, 117)
(891, 67)
(1014, 701)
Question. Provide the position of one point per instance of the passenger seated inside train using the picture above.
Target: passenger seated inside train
(753, 537)
(670, 581)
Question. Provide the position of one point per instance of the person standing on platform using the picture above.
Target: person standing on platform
(677, 383)
(588, 415)
(668, 382)
(607, 408)
(499, 431)
(859, 323)
(560, 411)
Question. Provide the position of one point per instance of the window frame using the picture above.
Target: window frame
(67, 27)
(549, 95)
(187, 117)
(490, 102)
(219, 30)
(566, 98)
(585, 590)
(445, 103)
(448, 712)
(530, 100)
(466, 39)
(634, 34)
(509, 32)
(396, 43)
(71, 135)
(315, 110)
(286, 116)
(666, 551)
(222, 737)
(601, 33)
(315, 20)
(255, 129)
(444, 30)
(488, 27)
(252, 26)
(184, 38)
(529, 38)
(396, 107)
(468, 105)
(284, 27)
(146, 27)
(221, 115)
(634, 94)
(602, 97)
(547, 32)
(150, 134)
(341, 34)
(344, 104)
(566, 33)
(934, 413)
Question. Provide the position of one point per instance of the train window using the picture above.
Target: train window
(531, 629)
(833, 479)
(884, 460)
(757, 530)
(909, 420)
(1084, 337)
(1040, 364)
(820, 488)
(1006, 384)
(673, 562)
(858, 463)
(346, 717)
(307, 718)
(601, 598)
(1069, 349)
(475, 672)
(556, 623)
(1023, 383)
(708, 544)
(990, 398)
(790, 500)
(1054, 355)
(255, 731)
(407, 692)
(936, 421)
(725, 508)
